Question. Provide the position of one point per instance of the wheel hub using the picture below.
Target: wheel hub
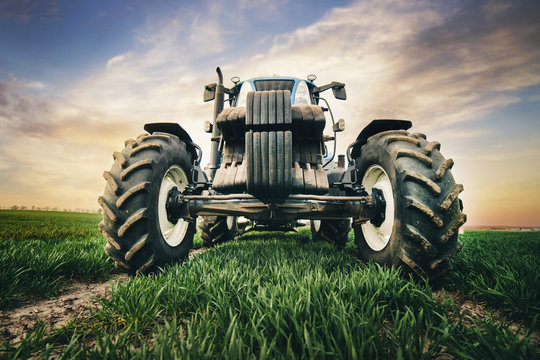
(378, 230)
(171, 205)
(379, 207)
(172, 229)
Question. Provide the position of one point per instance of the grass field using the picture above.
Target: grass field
(269, 295)
(501, 268)
(40, 252)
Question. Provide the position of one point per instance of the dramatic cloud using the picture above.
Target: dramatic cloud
(415, 60)
(442, 65)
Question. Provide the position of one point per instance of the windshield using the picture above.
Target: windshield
(302, 95)
(242, 95)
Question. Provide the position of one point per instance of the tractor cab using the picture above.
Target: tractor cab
(301, 90)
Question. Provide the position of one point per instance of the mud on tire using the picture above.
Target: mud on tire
(217, 229)
(423, 214)
(138, 234)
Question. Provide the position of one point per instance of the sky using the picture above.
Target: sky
(77, 78)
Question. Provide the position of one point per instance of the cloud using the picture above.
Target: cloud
(53, 152)
(417, 63)
(35, 114)
(21, 109)
(437, 64)
(466, 134)
(116, 60)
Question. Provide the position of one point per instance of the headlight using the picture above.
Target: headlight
(302, 94)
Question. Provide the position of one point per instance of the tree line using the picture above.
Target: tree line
(50, 208)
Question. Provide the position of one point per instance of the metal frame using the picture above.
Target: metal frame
(189, 205)
(362, 208)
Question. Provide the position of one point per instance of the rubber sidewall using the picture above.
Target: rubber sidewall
(379, 155)
(163, 252)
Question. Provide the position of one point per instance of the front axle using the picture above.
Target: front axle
(361, 208)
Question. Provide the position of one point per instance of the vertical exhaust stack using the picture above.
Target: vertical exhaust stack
(216, 134)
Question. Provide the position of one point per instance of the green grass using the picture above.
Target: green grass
(40, 252)
(281, 296)
(47, 225)
(502, 268)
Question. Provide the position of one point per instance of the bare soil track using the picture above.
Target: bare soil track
(75, 299)
(471, 311)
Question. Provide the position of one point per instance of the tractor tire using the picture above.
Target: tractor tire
(139, 235)
(217, 229)
(423, 213)
(334, 231)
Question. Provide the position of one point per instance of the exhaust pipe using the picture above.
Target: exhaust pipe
(216, 134)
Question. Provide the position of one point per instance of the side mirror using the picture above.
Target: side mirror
(337, 88)
(209, 92)
(339, 92)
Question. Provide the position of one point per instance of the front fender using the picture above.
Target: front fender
(175, 129)
(375, 127)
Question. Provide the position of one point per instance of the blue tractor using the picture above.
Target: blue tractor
(269, 163)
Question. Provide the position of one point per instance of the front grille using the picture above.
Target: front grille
(265, 85)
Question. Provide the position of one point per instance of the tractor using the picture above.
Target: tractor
(270, 166)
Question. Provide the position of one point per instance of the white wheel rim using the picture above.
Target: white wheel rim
(377, 237)
(173, 234)
(316, 225)
(230, 222)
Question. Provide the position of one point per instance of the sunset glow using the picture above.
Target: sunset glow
(78, 78)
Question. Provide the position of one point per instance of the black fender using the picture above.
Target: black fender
(175, 129)
(375, 127)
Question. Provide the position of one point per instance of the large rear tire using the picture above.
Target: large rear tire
(334, 231)
(139, 235)
(422, 215)
(217, 229)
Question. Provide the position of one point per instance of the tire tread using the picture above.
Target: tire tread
(111, 181)
(131, 192)
(107, 209)
(443, 168)
(430, 219)
(424, 209)
(132, 220)
(147, 163)
(422, 180)
(213, 230)
(415, 155)
(451, 197)
(129, 224)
